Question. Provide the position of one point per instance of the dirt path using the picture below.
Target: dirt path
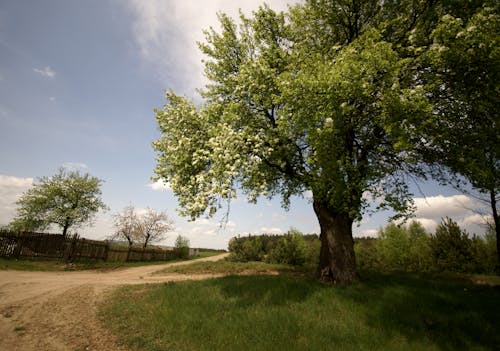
(58, 310)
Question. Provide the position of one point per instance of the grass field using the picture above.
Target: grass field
(54, 265)
(294, 312)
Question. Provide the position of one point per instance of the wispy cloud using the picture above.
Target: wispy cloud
(75, 166)
(166, 33)
(46, 72)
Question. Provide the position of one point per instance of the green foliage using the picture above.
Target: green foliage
(410, 248)
(181, 246)
(251, 248)
(291, 248)
(461, 69)
(453, 249)
(404, 248)
(67, 199)
(284, 113)
(341, 98)
(366, 253)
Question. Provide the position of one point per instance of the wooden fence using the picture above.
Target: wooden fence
(70, 248)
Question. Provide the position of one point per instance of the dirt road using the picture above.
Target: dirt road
(58, 310)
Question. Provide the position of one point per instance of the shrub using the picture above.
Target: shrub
(393, 247)
(419, 249)
(290, 249)
(366, 253)
(452, 248)
(244, 249)
(182, 246)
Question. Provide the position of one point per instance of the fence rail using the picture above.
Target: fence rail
(70, 248)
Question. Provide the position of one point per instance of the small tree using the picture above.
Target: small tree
(126, 223)
(452, 247)
(67, 200)
(152, 226)
(182, 246)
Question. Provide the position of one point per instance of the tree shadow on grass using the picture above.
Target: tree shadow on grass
(266, 290)
(451, 315)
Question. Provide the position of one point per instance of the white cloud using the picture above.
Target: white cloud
(46, 72)
(52, 98)
(167, 32)
(371, 233)
(75, 166)
(160, 185)
(270, 230)
(11, 189)
(460, 208)
(440, 206)
(429, 224)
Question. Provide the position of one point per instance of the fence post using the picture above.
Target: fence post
(106, 249)
(72, 247)
(19, 246)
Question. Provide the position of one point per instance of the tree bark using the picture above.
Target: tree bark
(65, 227)
(496, 222)
(337, 261)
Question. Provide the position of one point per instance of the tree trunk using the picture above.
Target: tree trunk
(65, 230)
(337, 261)
(496, 222)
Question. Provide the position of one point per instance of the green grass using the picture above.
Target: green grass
(228, 267)
(31, 265)
(287, 312)
(54, 265)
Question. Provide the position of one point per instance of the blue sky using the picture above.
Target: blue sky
(78, 84)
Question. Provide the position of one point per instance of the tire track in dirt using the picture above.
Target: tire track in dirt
(56, 311)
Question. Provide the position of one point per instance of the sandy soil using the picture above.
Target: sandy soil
(58, 310)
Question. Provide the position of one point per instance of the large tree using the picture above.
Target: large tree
(312, 99)
(68, 200)
(463, 78)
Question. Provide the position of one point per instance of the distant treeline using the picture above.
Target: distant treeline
(397, 248)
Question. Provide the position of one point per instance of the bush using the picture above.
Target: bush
(181, 247)
(411, 248)
(244, 249)
(366, 253)
(291, 249)
(393, 247)
(451, 247)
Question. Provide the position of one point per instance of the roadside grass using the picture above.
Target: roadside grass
(54, 265)
(232, 268)
(31, 265)
(293, 312)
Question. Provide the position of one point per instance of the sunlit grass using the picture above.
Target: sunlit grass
(384, 312)
(56, 265)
